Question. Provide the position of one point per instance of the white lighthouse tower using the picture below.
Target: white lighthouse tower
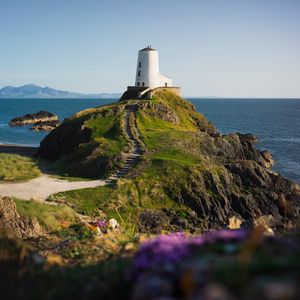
(147, 71)
(148, 80)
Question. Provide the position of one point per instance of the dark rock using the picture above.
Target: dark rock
(247, 137)
(153, 221)
(40, 117)
(267, 156)
(58, 142)
(245, 189)
(169, 219)
(45, 126)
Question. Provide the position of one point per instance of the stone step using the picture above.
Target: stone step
(133, 157)
(121, 173)
(133, 161)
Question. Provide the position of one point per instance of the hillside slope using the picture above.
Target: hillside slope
(189, 176)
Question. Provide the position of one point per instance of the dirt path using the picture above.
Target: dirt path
(42, 187)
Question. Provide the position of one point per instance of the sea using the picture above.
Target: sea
(275, 122)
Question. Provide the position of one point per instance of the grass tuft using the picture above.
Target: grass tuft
(14, 167)
(50, 217)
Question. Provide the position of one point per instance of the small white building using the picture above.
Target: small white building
(148, 81)
(147, 70)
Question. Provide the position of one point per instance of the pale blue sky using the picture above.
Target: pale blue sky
(231, 48)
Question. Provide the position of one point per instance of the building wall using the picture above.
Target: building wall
(164, 81)
(175, 90)
(147, 72)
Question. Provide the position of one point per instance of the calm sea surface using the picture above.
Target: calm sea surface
(276, 122)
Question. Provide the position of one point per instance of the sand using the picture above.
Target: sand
(42, 187)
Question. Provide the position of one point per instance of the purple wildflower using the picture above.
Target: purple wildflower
(173, 247)
(224, 235)
(100, 224)
(163, 249)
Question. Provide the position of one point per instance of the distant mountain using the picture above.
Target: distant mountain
(35, 91)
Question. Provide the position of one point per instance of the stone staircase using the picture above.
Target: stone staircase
(130, 126)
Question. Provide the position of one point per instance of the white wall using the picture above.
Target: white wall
(164, 80)
(147, 70)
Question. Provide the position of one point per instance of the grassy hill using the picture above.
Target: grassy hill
(189, 176)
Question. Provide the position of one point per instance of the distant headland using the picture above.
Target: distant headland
(35, 91)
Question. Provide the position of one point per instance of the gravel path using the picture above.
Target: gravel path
(42, 187)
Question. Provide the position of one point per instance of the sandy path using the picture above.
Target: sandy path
(42, 187)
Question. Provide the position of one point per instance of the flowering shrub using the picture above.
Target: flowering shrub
(173, 247)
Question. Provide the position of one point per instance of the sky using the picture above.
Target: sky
(223, 48)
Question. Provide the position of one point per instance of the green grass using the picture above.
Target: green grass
(49, 216)
(166, 140)
(189, 118)
(14, 167)
(88, 145)
(89, 201)
(173, 152)
(107, 132)
(129, 197)
(173, 155)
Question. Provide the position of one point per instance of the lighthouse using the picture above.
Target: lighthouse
(147, 70)
(148, 80)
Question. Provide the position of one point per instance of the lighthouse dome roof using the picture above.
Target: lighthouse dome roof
(148, 48)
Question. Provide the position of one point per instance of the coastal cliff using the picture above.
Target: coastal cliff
(189, 175)
(160, 229)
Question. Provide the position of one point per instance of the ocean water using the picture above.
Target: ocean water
(276, 122)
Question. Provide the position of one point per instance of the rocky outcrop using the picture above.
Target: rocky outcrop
(39, 117)
(239, 182)
(45, 126)
(268, 160)
(14, 225)
(160, 111)
(152, 221)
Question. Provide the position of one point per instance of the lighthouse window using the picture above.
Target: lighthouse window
(140, 64)
(138, 83)
(143, 84)
(139, 73)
